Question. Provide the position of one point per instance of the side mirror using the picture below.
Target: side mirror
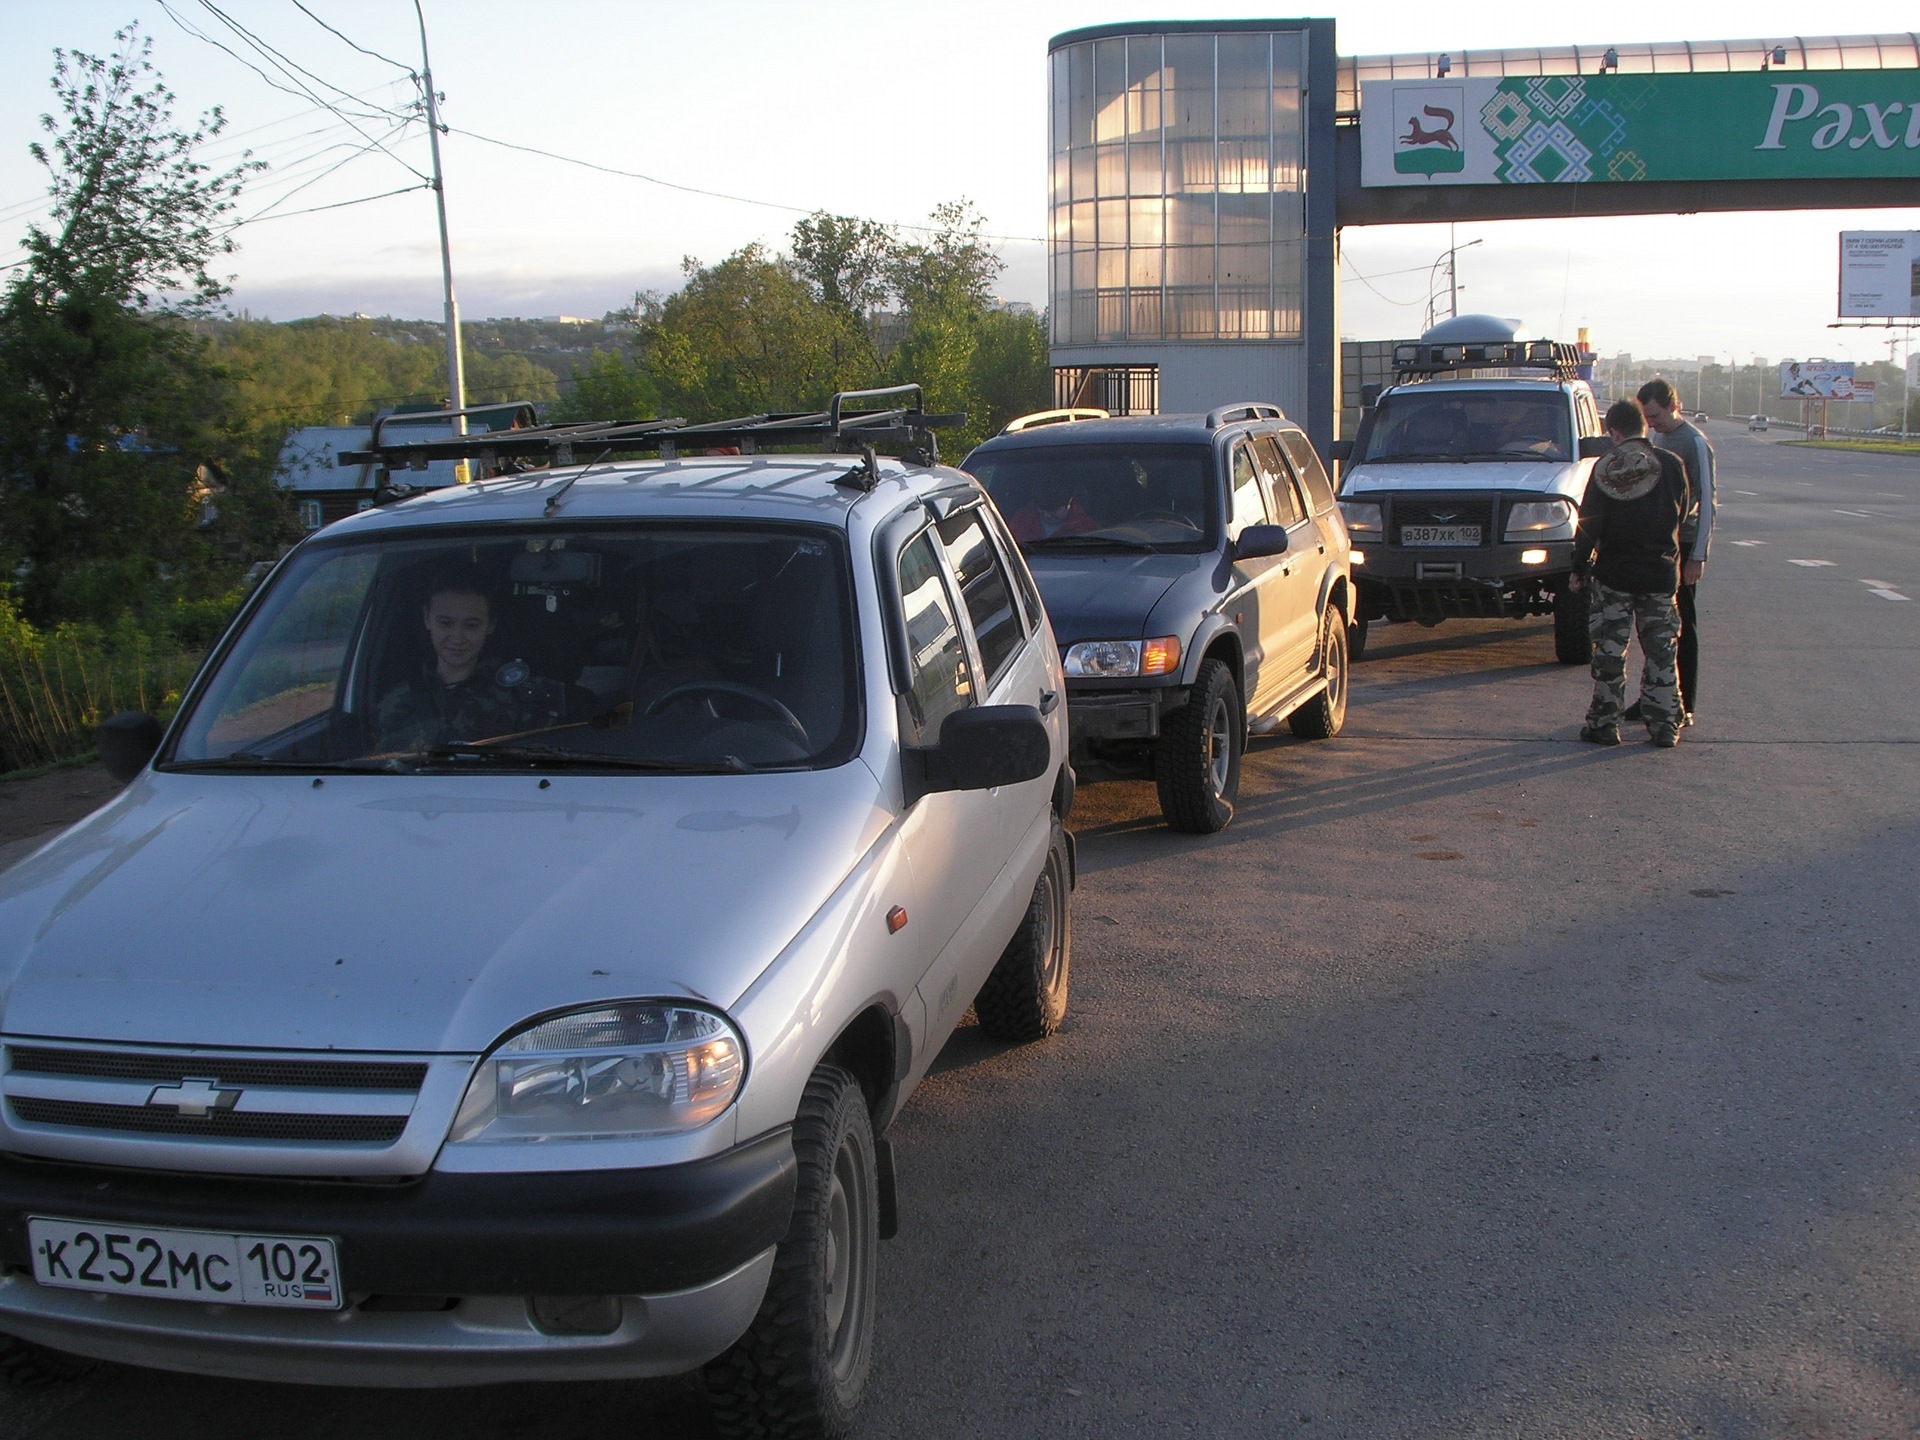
(1369, 396)
(1592, 447)
(980, 748)
(1340, 451)
(1258, 541)
(127, 742)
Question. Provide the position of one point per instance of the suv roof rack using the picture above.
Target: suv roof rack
(1417, 359)
(1053, 417)
(836, 429)
(1243, 410)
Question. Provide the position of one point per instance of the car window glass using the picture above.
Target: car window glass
(938, 678)
(1073, 496)
(727, 645)
(1249, 506)
(1308, 469)
(984, 590)
(1016, 566)
(1417, 424)
(1288, 508)
(286, 669)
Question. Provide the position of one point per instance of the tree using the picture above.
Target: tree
(612, 387)
(111, 410)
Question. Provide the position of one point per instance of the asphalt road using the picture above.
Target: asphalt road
(1475, 1082)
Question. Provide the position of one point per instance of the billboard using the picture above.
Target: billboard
(1578, 129)
(1879, 273)
(1828, 379)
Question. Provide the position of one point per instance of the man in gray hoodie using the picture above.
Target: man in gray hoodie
(1627, 554)
(1660, 402)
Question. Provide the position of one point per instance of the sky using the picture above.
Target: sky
(875, 109)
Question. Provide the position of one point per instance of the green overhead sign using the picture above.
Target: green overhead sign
(1577, 129)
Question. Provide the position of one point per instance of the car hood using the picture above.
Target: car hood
(1090, 596)
(417, 914)
(1539, 477)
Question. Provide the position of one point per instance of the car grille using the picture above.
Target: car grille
(262, 1099)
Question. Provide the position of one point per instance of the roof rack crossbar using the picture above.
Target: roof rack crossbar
(835, 429)
(1427, 358)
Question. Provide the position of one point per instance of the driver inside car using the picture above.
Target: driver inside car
(462, 692)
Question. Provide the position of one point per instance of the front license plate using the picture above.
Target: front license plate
(291, 1271)
(1439, 534)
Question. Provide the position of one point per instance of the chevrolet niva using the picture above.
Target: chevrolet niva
(509, 960)
(1196, 571)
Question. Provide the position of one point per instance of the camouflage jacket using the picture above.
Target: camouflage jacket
(425, 711)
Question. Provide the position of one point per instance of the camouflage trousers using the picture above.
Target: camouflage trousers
(1613, 617)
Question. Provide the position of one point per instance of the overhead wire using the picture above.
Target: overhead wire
(408, 69)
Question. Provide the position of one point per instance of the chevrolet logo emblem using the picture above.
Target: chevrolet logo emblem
(1445, 517)
(195, 1099)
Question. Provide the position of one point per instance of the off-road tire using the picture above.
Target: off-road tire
(1357, 641)
(1025, 998)
(1197, 762)
(800, 1371)
(1572, 645)
(27, 1366)
(1321, 717)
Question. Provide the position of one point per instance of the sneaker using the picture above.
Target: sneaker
(1600, 734)
(1663, 737)
(1633, 711)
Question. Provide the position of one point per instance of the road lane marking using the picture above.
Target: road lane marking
(1754, 493)
(1749, 542)
(1862, 514)
(1884, 590)
(1810, 564)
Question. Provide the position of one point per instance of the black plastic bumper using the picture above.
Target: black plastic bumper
(581, 1232)
(1418, 584)
(1120, 714)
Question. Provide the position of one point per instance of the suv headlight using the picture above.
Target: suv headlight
(1362, 517)
(1119, 659)
(1541, 520)
(611, 1072)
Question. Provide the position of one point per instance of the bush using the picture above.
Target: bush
(55, 686)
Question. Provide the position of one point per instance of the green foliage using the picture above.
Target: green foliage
(115, 426)
(612, 387)
(57, 685)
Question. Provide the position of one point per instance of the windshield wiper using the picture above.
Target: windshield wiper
(584, 759)
(1084, 541)
(248, 760)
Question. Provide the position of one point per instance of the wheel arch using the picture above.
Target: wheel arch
(874, 1048)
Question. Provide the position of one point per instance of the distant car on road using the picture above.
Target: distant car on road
(1757, 423)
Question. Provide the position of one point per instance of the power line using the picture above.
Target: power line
(337, 205)
(408, 69)
(314, 180)
(696, 190)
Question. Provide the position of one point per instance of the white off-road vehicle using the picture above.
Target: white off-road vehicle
(1462, 489)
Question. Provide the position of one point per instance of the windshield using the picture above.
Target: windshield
(658, 647)
(1469, 425)
(1154, 497)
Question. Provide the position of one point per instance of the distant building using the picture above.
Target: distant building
(326, 491)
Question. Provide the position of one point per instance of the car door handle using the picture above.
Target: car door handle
(1049, 701)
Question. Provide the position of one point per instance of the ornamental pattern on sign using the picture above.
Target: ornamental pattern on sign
(1548, 129)
(1546, 154)
(1555, 95)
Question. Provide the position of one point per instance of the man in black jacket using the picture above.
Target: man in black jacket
(1628, 553)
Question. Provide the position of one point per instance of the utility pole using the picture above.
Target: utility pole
(456, 370)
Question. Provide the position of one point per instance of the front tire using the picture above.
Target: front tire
(801, 1369)
(1571, 643)
(1321, 717)
(1025, 998)
(1197, 762)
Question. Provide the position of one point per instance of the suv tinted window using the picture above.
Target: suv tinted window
(939, 682)
(983, 590)
(1420, 424)
(1159, 495)
(1288, 506)
(1249, 505)
(1307, 467)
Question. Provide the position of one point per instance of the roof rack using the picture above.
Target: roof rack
(837, 429)
(1053, 417)
(1421, 358)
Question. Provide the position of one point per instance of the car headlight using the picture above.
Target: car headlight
(1362, 517)
(611, 1072)
(1541, 520)
(1118, 659)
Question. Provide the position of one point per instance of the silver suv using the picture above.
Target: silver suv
(507, 964)
(1463, 486)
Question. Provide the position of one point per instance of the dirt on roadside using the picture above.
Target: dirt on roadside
(30, 808)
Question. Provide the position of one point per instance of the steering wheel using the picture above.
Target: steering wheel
(742, 692)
